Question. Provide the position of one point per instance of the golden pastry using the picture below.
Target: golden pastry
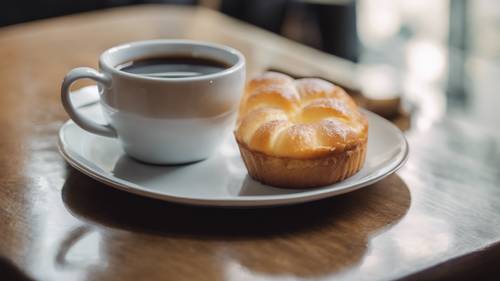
(299, 133)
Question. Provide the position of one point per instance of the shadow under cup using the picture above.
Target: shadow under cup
(171, 120)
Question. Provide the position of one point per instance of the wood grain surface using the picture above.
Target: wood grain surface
(437, 218)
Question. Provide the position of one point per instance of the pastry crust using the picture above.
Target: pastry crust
(300, 133)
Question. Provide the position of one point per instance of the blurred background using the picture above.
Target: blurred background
(447, 49)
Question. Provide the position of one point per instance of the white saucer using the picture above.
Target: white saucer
(221, 180)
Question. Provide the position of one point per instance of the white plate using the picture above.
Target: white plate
(221, 180)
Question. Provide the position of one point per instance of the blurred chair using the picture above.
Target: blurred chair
(333, 21)
(263, 13)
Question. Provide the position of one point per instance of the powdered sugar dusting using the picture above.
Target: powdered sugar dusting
(314, 115)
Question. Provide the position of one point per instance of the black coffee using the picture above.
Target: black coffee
(173, 67)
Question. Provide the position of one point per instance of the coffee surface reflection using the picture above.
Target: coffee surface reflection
(173, 66)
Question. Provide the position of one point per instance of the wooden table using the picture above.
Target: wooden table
(438, 217)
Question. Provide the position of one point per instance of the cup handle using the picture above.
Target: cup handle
(82, 121)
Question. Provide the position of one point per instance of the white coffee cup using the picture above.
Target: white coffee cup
(163, 120)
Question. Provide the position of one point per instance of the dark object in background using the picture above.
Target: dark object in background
(268, 14)
(457, 77)
(18, 11)
(12, 12)
(336, 22)
(337, 25)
